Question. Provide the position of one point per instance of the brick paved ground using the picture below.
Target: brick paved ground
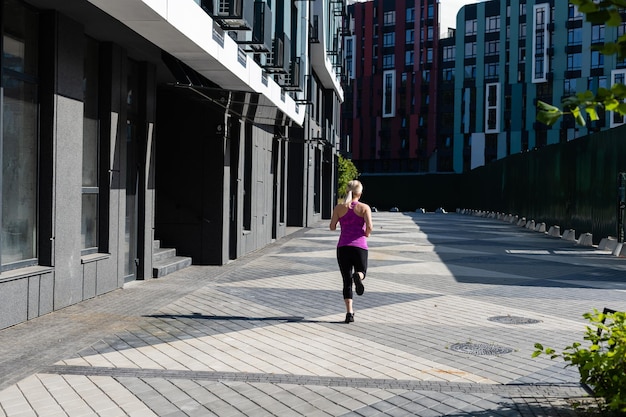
(438, 331)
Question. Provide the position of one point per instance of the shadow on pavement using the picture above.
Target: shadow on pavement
(288, 319)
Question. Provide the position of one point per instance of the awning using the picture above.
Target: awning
(249, 106)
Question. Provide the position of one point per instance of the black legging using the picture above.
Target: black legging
(349, 257)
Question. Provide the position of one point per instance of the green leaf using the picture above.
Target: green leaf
(580, 120)
(603, 93)
(548, 114)
(619, 90)
(611, 104)
(596, 17)
(586, 96)
(608, 48)
(593, 113)
(586, 7)
(614, 18)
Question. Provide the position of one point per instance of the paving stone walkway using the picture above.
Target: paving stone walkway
(453, 305)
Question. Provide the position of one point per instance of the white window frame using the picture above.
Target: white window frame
(492, 89)
(541, 28)
(352, 64)
(389, 77)
(617, 75)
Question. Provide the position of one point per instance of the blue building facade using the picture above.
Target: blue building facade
(509, 55)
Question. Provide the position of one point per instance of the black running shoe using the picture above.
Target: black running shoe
(358, 283)
(349, 317)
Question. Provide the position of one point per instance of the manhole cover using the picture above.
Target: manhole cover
(513, 320)
(480, 349)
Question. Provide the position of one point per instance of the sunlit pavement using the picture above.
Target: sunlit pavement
(453, 306)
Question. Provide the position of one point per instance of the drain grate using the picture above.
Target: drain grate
(513, 320)
(480, 349)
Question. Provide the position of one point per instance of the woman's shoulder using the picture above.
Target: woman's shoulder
(341, 208)
(362, 208)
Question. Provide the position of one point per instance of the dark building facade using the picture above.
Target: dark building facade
(132, 126)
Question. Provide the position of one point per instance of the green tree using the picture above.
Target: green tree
(605, 12)
(346, 173)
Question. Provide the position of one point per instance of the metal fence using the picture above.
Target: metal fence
(575, 185)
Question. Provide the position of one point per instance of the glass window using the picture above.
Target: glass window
(597, 59)
(389, 94)
(575, 36)
(574, 61)
(470, 50)
(448, 53)
(388, 61)
(91, 146)
(410, 36)
(408, 58)
(617, 77)
(389, 18)
(597, 33)
(410, 14)
(569, 86)
(493, 24)
(522, 30)
(19, 138)
(491, 70)
(349, 42)
(470, 27)
(389, 39)
(470, 72)
(539, 61)
(573, 13)
(492, 48)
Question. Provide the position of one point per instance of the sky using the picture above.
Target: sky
(447, 12)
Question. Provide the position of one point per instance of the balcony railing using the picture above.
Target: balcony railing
(278, 60)
(294, 80)
(231, 14)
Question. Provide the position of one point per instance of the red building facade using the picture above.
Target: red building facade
(389, 114)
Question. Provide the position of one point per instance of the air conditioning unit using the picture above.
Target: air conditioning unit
(278, 60)
(230, 14)
(294, 80)
(260, 39)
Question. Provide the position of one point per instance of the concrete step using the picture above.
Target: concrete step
(160, 254)
(168, 265)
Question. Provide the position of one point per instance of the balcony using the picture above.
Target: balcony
(294, 81)
(231, 14)
(261, 34)
(278, 60)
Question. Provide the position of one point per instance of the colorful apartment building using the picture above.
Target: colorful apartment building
(389, 116)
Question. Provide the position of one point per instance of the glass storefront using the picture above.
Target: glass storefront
(19, 140)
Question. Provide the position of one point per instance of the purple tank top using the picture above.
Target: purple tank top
(352, 229)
